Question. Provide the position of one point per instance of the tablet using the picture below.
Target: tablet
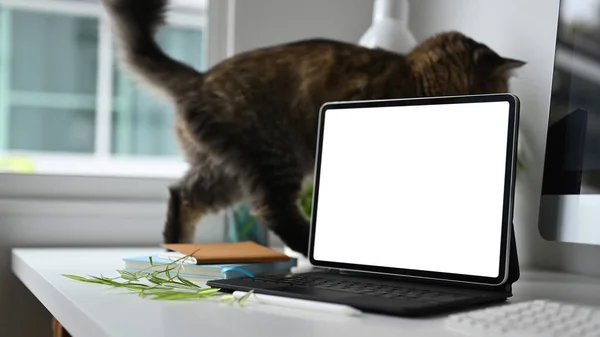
(421, 188)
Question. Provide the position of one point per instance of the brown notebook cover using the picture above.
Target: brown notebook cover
(230, 252)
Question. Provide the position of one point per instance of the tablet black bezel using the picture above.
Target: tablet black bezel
(510, 173)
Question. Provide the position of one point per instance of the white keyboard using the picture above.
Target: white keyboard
(528, 319)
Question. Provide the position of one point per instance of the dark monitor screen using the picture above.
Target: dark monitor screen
(570, 203)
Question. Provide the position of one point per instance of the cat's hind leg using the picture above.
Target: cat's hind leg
(276, 204)
(284, 218)
(203, 190)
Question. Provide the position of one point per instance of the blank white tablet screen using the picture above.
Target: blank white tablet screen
(414, 187)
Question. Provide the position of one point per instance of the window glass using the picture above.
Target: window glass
(47, 81)
(52, 129)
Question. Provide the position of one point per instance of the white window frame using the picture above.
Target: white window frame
(102, 177)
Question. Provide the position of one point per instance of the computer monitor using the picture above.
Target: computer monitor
(570, 202)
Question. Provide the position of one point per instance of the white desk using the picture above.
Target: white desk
(93, 310)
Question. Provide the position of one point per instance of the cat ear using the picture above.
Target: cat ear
(500, 66)
(506, 65)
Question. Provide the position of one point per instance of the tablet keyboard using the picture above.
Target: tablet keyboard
(529, 319)
(364, 288)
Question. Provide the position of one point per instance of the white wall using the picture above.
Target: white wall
(524, 30)
(47, 223)
(262, 23)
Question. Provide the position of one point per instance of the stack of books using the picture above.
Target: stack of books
(214, 261)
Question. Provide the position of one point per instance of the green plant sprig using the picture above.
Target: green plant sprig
(165, 284)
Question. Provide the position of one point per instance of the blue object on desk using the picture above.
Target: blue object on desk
(242, 226)
(236, 269)
(211, 271)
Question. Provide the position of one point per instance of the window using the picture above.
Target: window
(49, 81)
(67, 107)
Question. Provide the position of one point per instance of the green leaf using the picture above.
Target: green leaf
(244, 298)
(155, 290)
(137, 285)
(82, 279)
(227, 298)
(208, 291)
(75, 277)
(140, 274)
(186, 282)
(128, 276)
(134, 288)
(105, 280)
(125, 272)
(177, 285)
(180, 295)
(150, 258)
(246, 228)
(155, 279)
(306, 200)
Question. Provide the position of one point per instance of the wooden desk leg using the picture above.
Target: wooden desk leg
(58, 330)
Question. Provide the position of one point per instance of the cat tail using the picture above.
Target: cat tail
(134, 24)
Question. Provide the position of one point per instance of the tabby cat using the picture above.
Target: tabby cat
(248, 126)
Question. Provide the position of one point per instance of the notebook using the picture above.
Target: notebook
(206, 271)
(230, 252)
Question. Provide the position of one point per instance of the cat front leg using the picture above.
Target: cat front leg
(182, 217)
(203, 190)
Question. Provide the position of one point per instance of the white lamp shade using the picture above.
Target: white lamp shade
(389, 29)
(389, 34)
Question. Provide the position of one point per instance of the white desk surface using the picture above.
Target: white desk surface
(96, 311)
